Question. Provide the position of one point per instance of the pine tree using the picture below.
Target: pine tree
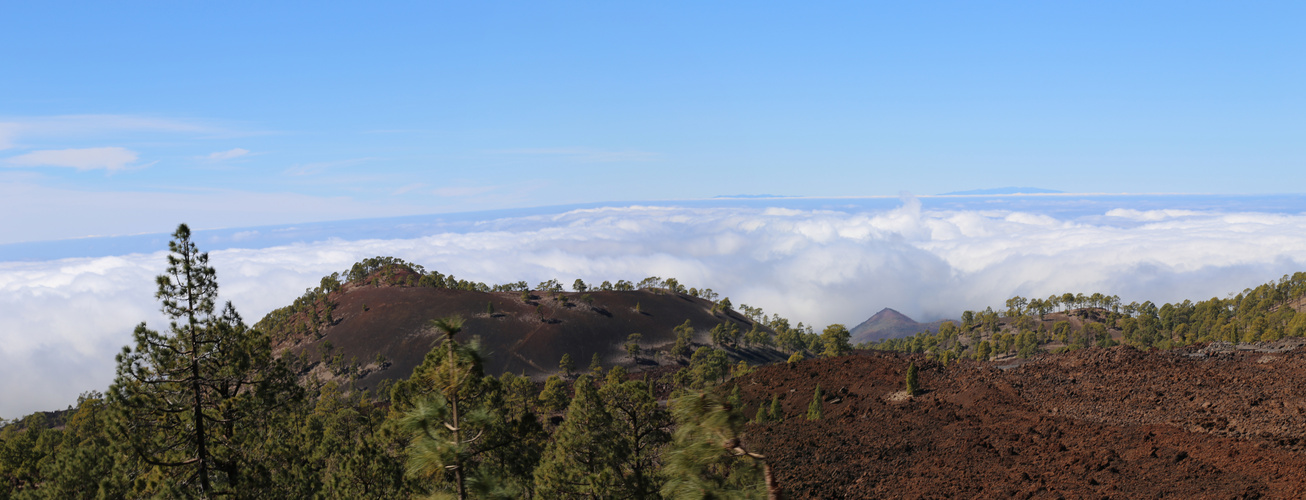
(86, 461)
(708, 458)
(777, 412)
(452, 422)
(196, 401)
(641, 430)
(684, 337)
(616, 376)
(835, 340)
(596, 365)
(814, 408)
(580, 461)
(984, 350)
(567, 366)
(554, 396)
(632, 346)
(709, 366)
(913, 384)
(763, 414)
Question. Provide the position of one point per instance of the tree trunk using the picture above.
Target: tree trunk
(201, 450)
(453, 404)
(773, 491)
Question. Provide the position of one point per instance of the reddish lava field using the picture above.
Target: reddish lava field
(1209, 421)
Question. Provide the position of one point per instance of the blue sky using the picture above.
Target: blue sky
(127, 117)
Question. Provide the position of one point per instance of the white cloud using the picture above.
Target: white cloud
(110, 158)
(226, 155)
(14, 130)
(1149, 215)
(818, 267)
(319, 167)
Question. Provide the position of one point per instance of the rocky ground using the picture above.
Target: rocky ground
(1214, 421)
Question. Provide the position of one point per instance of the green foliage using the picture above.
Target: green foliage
(740, 369)
(463, 441)
(708, 366)
(684, 337)
(640, 425)
(172, 390)
(632, 346)
(581, 460)
(22, 452)
(554, 396)
(913, 382)
(835, 339)
(445, 431)
(567, 366)
(795, 357)
(616, 375)
(814, 408)
(80, 461)
(763, 414)
(725, 334)
(596, 365)
(707, 458)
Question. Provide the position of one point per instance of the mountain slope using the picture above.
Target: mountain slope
(381, 332)
(1093, 423)
(890, 324)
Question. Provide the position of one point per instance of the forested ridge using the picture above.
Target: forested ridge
(205, 409)
(1269, 312)
(211, 407)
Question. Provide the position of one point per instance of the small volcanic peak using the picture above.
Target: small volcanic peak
(378, 329)
(889, 316)
(890, 324)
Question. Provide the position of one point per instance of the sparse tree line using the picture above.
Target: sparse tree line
(1264, 313)
(203, 409)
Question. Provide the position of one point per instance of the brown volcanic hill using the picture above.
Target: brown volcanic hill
(391, 321)
(1203, 422)
(890, 324)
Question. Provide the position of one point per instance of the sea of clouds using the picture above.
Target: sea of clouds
(62, 321)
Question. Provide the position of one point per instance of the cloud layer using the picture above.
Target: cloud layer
(62, 321)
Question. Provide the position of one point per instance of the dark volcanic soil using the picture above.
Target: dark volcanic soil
(515, 338)
(1096, 423)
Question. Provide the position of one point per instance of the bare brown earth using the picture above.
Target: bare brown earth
(515, 338)
(1204, 422)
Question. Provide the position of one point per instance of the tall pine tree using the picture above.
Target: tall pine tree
(708, 458)
(450, 419)
(196, 401)
(581, 460)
